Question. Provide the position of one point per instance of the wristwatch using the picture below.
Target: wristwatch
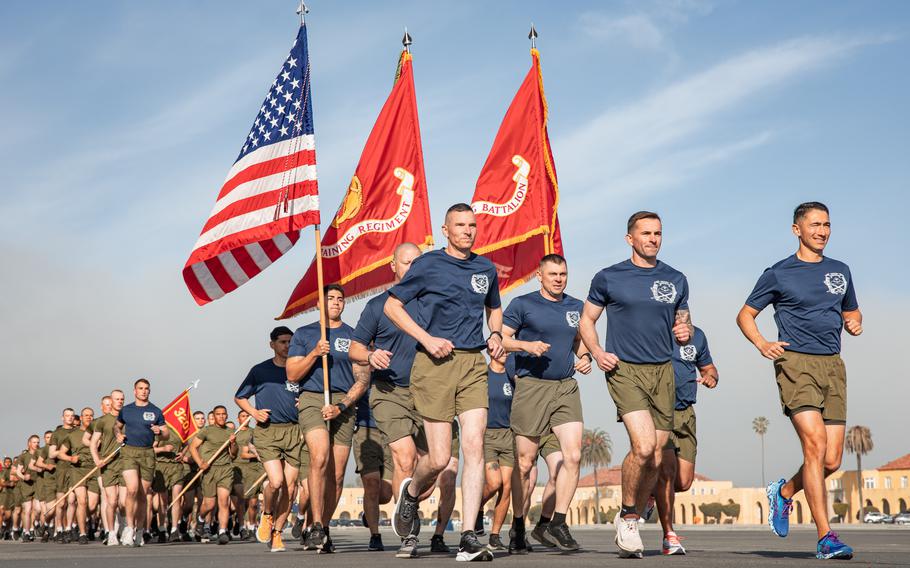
(590, 357)
(341, 406)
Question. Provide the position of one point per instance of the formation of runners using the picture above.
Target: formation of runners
(417, 389)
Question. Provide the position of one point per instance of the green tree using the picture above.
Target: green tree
(711, 510)
(596, 452)
(731, 509)
(859, 442)
(760, 426)
(841, 510)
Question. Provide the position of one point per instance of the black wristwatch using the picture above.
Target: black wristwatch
(341, 406)
(492, 333)
(590, 357)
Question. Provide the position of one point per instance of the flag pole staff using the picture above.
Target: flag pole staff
(255, 485)
(211, 457)
(81, 481)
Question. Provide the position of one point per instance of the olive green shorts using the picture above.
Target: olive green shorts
(444, 388)
(26, 490)
(168, 475)
(682, 437)
(371, 453)
(395, 415)
(499, 447)
(47, 488)
(304, 463)
(812, 382)
(278, 442)
(549, 444)
(78, 472)
(142, 460)
(217, 476)
(309, 417)
(539, 405)
(61, 477)
(645, 386)
(6, 498)
(250, 472)
(110, 473)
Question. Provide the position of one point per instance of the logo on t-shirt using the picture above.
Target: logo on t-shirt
(148, 416)
(507, 390)
(480, 283)
(688, 353)
(291, 387)
(836, 283)
(572, 318)
(342, 344)
(663, 291)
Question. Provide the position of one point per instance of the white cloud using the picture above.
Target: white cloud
(638, 30)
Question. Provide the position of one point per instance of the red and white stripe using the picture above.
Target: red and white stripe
(267, 197)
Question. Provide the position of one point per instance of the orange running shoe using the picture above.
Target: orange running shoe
(264, 530)
(276, 544)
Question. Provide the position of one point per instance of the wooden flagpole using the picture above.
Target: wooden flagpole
(255, 485)
(211, 457)
(322, 317)
(81, 481)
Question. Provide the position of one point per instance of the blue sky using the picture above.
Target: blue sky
(120, 121)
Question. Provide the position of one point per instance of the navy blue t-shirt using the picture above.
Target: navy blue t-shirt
(499, 391)
(137, 424)
(535, 318)
(686, 360)
(641, 306)
(450, 295)
(364, 412)
(375, 327)
(808, 300)
(269, 384)
(341, 373)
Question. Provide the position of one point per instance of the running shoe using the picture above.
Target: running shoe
(275, 542)
(83, 539)
(375, 543)
(438, 545)
(126, 538)
(317, 537)
(470, 549)
(305, 538)
(649, 508)
(223, 538)
(518, 543)
(560, 536)
(495, 544)
(328, 547)
(671, 545)
(540, 535)
(405, 521)
(830, 547)
(174, 537)
(264, 531)
(627, 537)
(778, 509)
(408, 548)
(297, 529)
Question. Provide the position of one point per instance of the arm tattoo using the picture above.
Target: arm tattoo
(683, 316)
(362, 378)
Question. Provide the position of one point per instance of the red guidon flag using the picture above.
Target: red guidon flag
(385, 205)
(517, 194)
(179, 417)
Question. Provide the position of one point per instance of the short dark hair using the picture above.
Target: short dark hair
(554, 258)
(68, 409)
(46, 432)
(803, 208)
(136, 384)
(336, 287)
(458, 208)
(279, 331)
(221, 406)
(638, 216)
(199, 412)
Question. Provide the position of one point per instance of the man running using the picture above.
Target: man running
(692, 365)
(250, 470)
(647, 307)
(45, 488)
(329, 449)
(136, 427)
(543, 326)
(374, 464)
(62, 513)
(452, 288)
(498, 450)
(102, 445)
(218, 474)
(552, 456)
(813, 298)
(276, 436)
(28, 474)
(79, 456)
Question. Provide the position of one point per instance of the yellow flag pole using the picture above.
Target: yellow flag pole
(322, 317)
(81, 481)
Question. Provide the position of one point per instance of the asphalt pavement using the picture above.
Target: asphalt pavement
(707, 548)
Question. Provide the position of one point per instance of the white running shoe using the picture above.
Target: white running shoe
(126, 537)
(671, 545)
(627, 537)
(112, 539)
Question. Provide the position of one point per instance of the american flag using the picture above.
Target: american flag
(270, 192)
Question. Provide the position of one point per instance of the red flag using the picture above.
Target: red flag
(517, 193)
(179, 417)
(386, 204)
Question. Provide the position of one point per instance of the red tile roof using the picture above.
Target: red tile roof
(902, 462)
(613, 476)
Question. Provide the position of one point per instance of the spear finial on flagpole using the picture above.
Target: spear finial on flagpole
(193, 384)
(532, 35)
(406, 40)
(302, 11)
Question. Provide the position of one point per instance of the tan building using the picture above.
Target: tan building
(887, 488)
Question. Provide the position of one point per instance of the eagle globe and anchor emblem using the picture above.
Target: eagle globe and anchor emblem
(663, 291)
(836, 283)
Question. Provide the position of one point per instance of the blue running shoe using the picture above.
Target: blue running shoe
(831, 547)
(778, 509)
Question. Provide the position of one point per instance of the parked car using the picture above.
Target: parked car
(887, 519)
(873, 517)
(903, 518)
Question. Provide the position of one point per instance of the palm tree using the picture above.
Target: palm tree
(760, 425)
(859, 442)
(596, 451)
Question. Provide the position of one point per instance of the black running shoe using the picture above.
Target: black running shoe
(297, 529)
(317, 537)
(540, 535)
(375, 542)
(305, 538)
(224, 538)
(174, 537)
(438, 545)
(470, 549)
(560, 536)
(328, 547)
(495, 543)
(518, 543)
(405, 521)
(46, 536)
(83, 539)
